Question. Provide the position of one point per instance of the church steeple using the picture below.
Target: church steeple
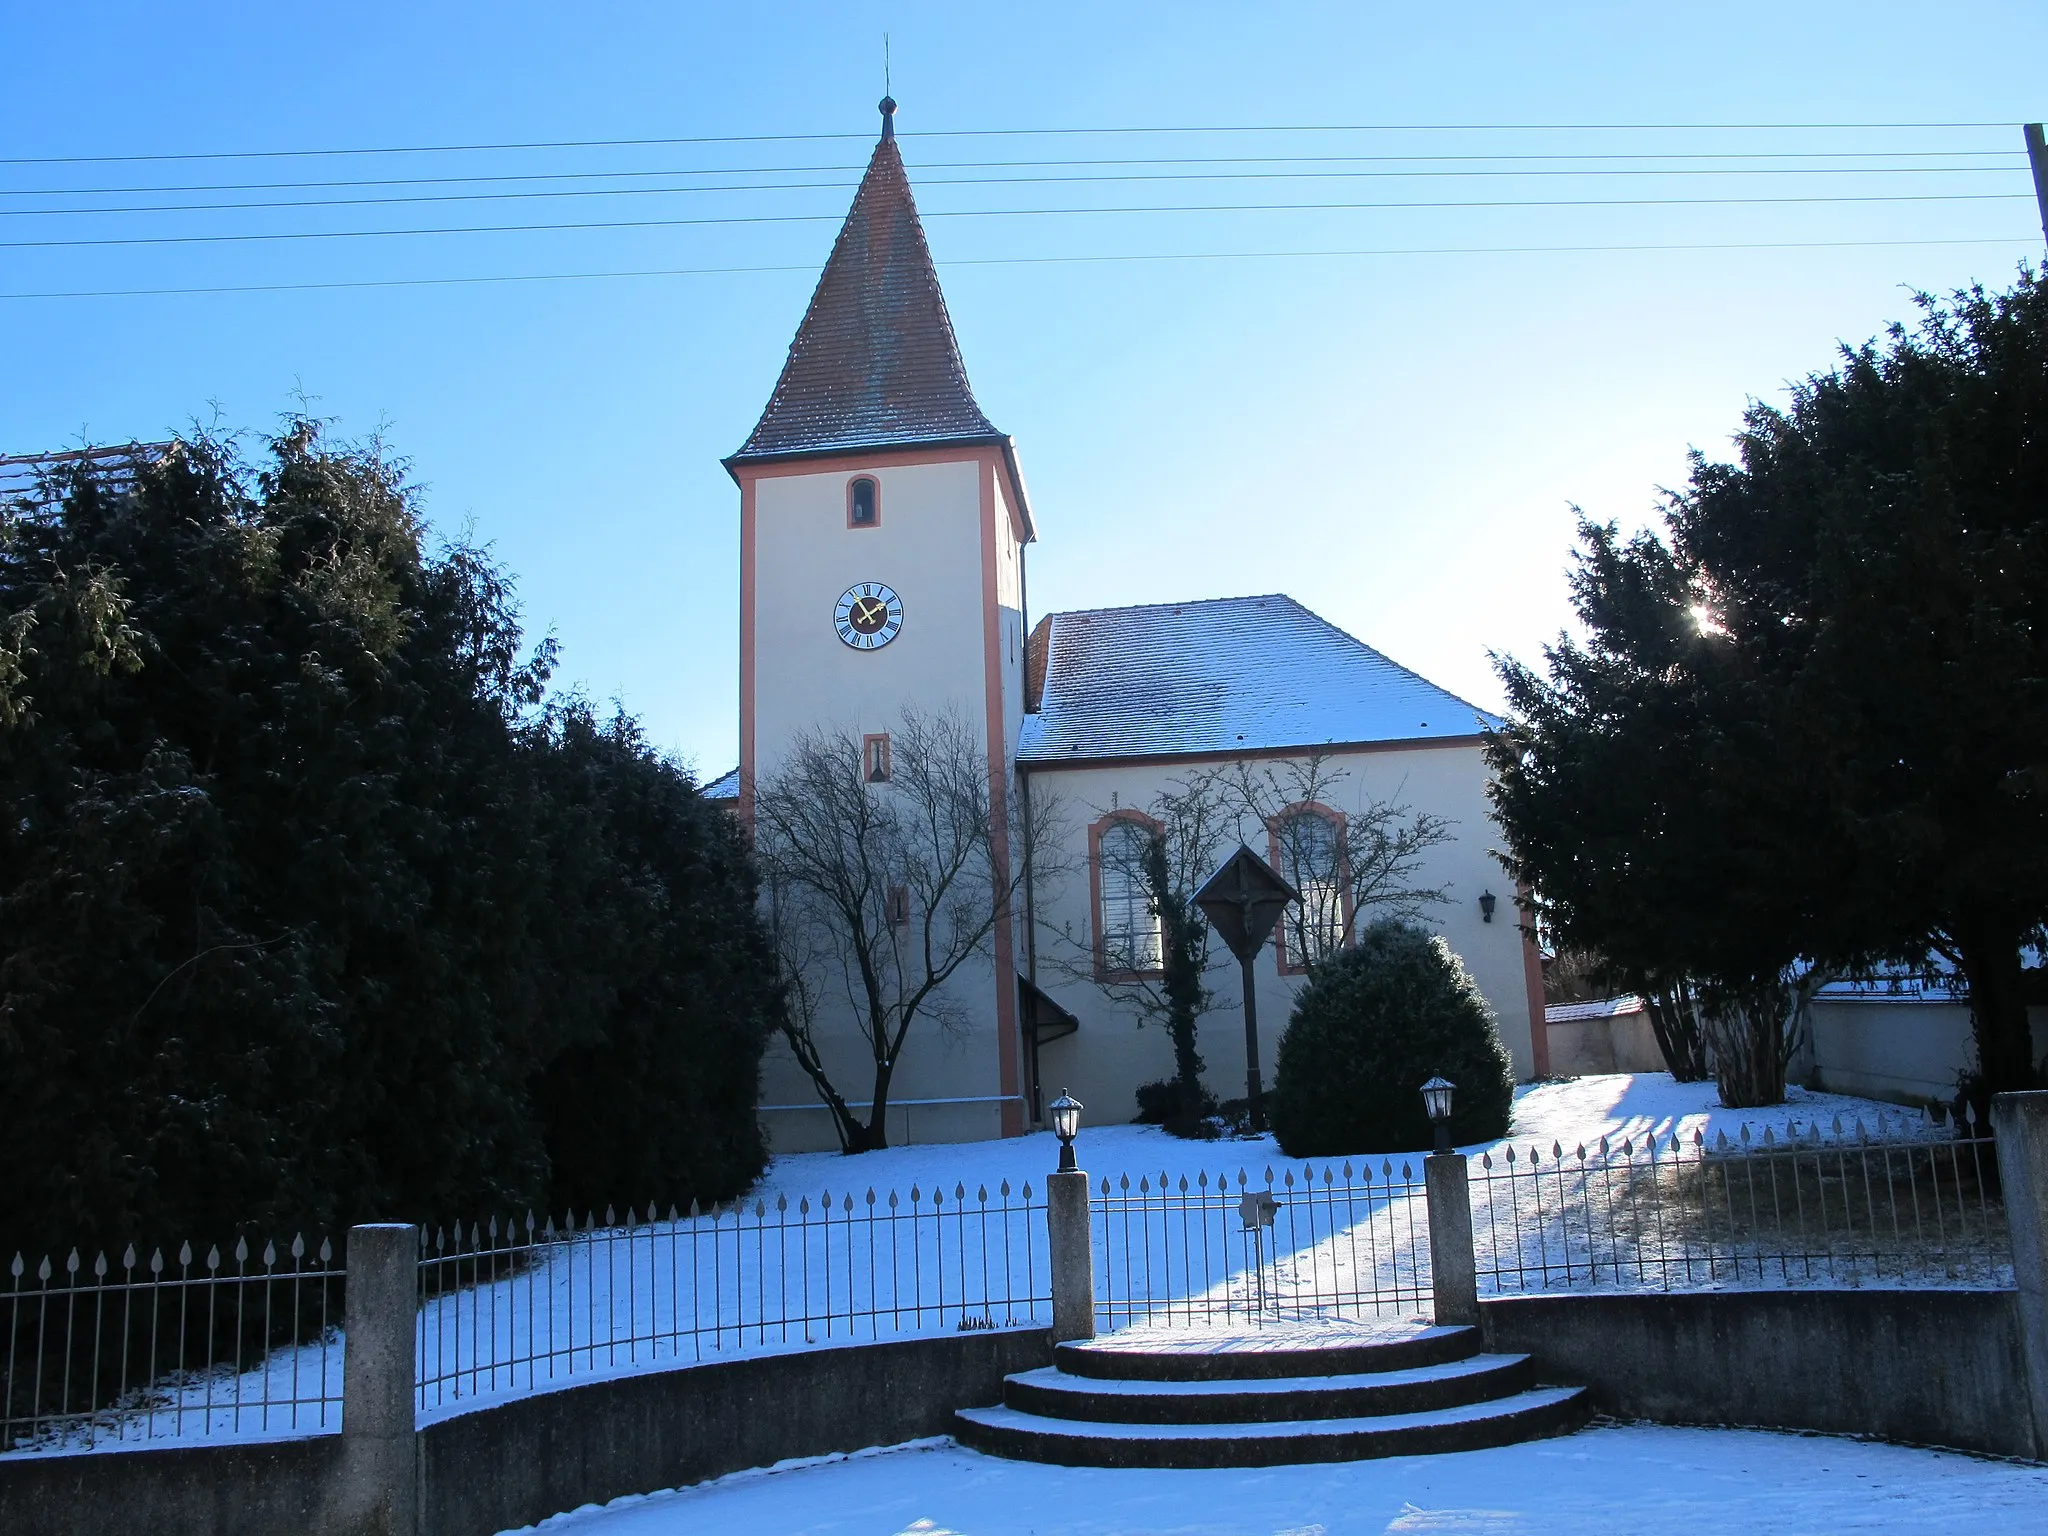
(875, 363)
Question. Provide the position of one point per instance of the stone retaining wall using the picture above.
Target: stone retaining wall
(1927, 1367)
(512, 1463)
(1924, 1367)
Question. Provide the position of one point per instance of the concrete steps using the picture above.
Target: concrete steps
(1266, 1397)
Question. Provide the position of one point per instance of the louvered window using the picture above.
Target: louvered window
(1130, 926)
(1311, 860)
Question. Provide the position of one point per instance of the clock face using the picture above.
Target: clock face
(869, 615)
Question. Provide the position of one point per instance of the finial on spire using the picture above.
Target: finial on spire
(888, 117)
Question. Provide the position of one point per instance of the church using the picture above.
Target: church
(884, 529)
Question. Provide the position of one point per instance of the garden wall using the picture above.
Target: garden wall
(282, 1485)
(1908, 1050)
(1582, 1047)
(513, 1463)
(1925, 1367)
(522, 1461)
(1928, 1367)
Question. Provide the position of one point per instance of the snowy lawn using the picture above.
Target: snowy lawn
(1611, 1480)
(1580, 1110)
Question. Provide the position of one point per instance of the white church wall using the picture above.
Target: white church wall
(928, 547)
(1110, 1055)
(933, 547)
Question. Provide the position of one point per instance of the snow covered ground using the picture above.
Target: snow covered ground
(1579, 1110)
(1606, 1481)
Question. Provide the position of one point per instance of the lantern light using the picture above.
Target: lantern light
(1436, 1099)
(1486, 905)
(1066, 1124)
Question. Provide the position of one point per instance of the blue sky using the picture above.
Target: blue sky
(1396, 440)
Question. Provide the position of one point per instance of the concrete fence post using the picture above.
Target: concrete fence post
(1072, 1247)
(381, 1321)
(1454, 1272)
(2020, 1122)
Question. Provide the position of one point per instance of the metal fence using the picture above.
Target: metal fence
(248, 1342)
(1324, 1242)
(513, 1304)
(1896, 1201)
(173, 1346)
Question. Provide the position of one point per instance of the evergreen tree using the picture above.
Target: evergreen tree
(1808, 728)
(287, 929)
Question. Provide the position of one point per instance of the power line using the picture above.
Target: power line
(995, 181)
(1023, 261)
(2016, 157)
(977, 133)
(1006, 213)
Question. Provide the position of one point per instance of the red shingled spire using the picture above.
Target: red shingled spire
(874, 363)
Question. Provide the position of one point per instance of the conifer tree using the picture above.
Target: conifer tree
(308, 911)
(1807, 730)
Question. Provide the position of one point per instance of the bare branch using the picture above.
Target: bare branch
(834, 845)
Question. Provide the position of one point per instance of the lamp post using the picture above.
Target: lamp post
(1454, 1271)
(1066, 1124)
(1068, 1236)
(1486, 904)
(1243, 901)
(1436, 1099)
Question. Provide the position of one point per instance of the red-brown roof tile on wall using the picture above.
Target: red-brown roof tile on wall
(874, 363)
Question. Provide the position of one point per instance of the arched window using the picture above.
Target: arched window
(1308, 850)
(863, 503)
(1125, 920)
(874, 758)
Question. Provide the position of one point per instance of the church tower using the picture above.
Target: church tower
(882, 530)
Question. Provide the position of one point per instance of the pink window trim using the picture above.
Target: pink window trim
(1336, 820)
(876, 482)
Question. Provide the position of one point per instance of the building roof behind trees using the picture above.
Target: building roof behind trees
(37, 478)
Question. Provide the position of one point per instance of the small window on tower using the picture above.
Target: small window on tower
(874, 752)
(863, 503)
(899, 906)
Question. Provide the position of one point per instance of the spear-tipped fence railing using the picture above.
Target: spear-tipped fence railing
(169, 1346)
(1315, 1241)
(1893, 1202)
(512, 1304)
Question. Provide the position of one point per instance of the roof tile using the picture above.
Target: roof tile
(875, 362)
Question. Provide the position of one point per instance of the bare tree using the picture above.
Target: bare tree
(1348, 865)
(881, 889)
(1153, 954)
(1153, 957)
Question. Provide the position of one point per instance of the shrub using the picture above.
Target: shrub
(1374, 1022)
(1166, 1103)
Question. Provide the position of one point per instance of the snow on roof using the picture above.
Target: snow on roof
(1221, 675)
(1599, 1008)
(1890, 984)
(31, 477)
(1894, 988)
(725, 787)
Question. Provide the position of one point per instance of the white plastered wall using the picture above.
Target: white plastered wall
(929, 546)
(1110, 1055)
(1902, 1049)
